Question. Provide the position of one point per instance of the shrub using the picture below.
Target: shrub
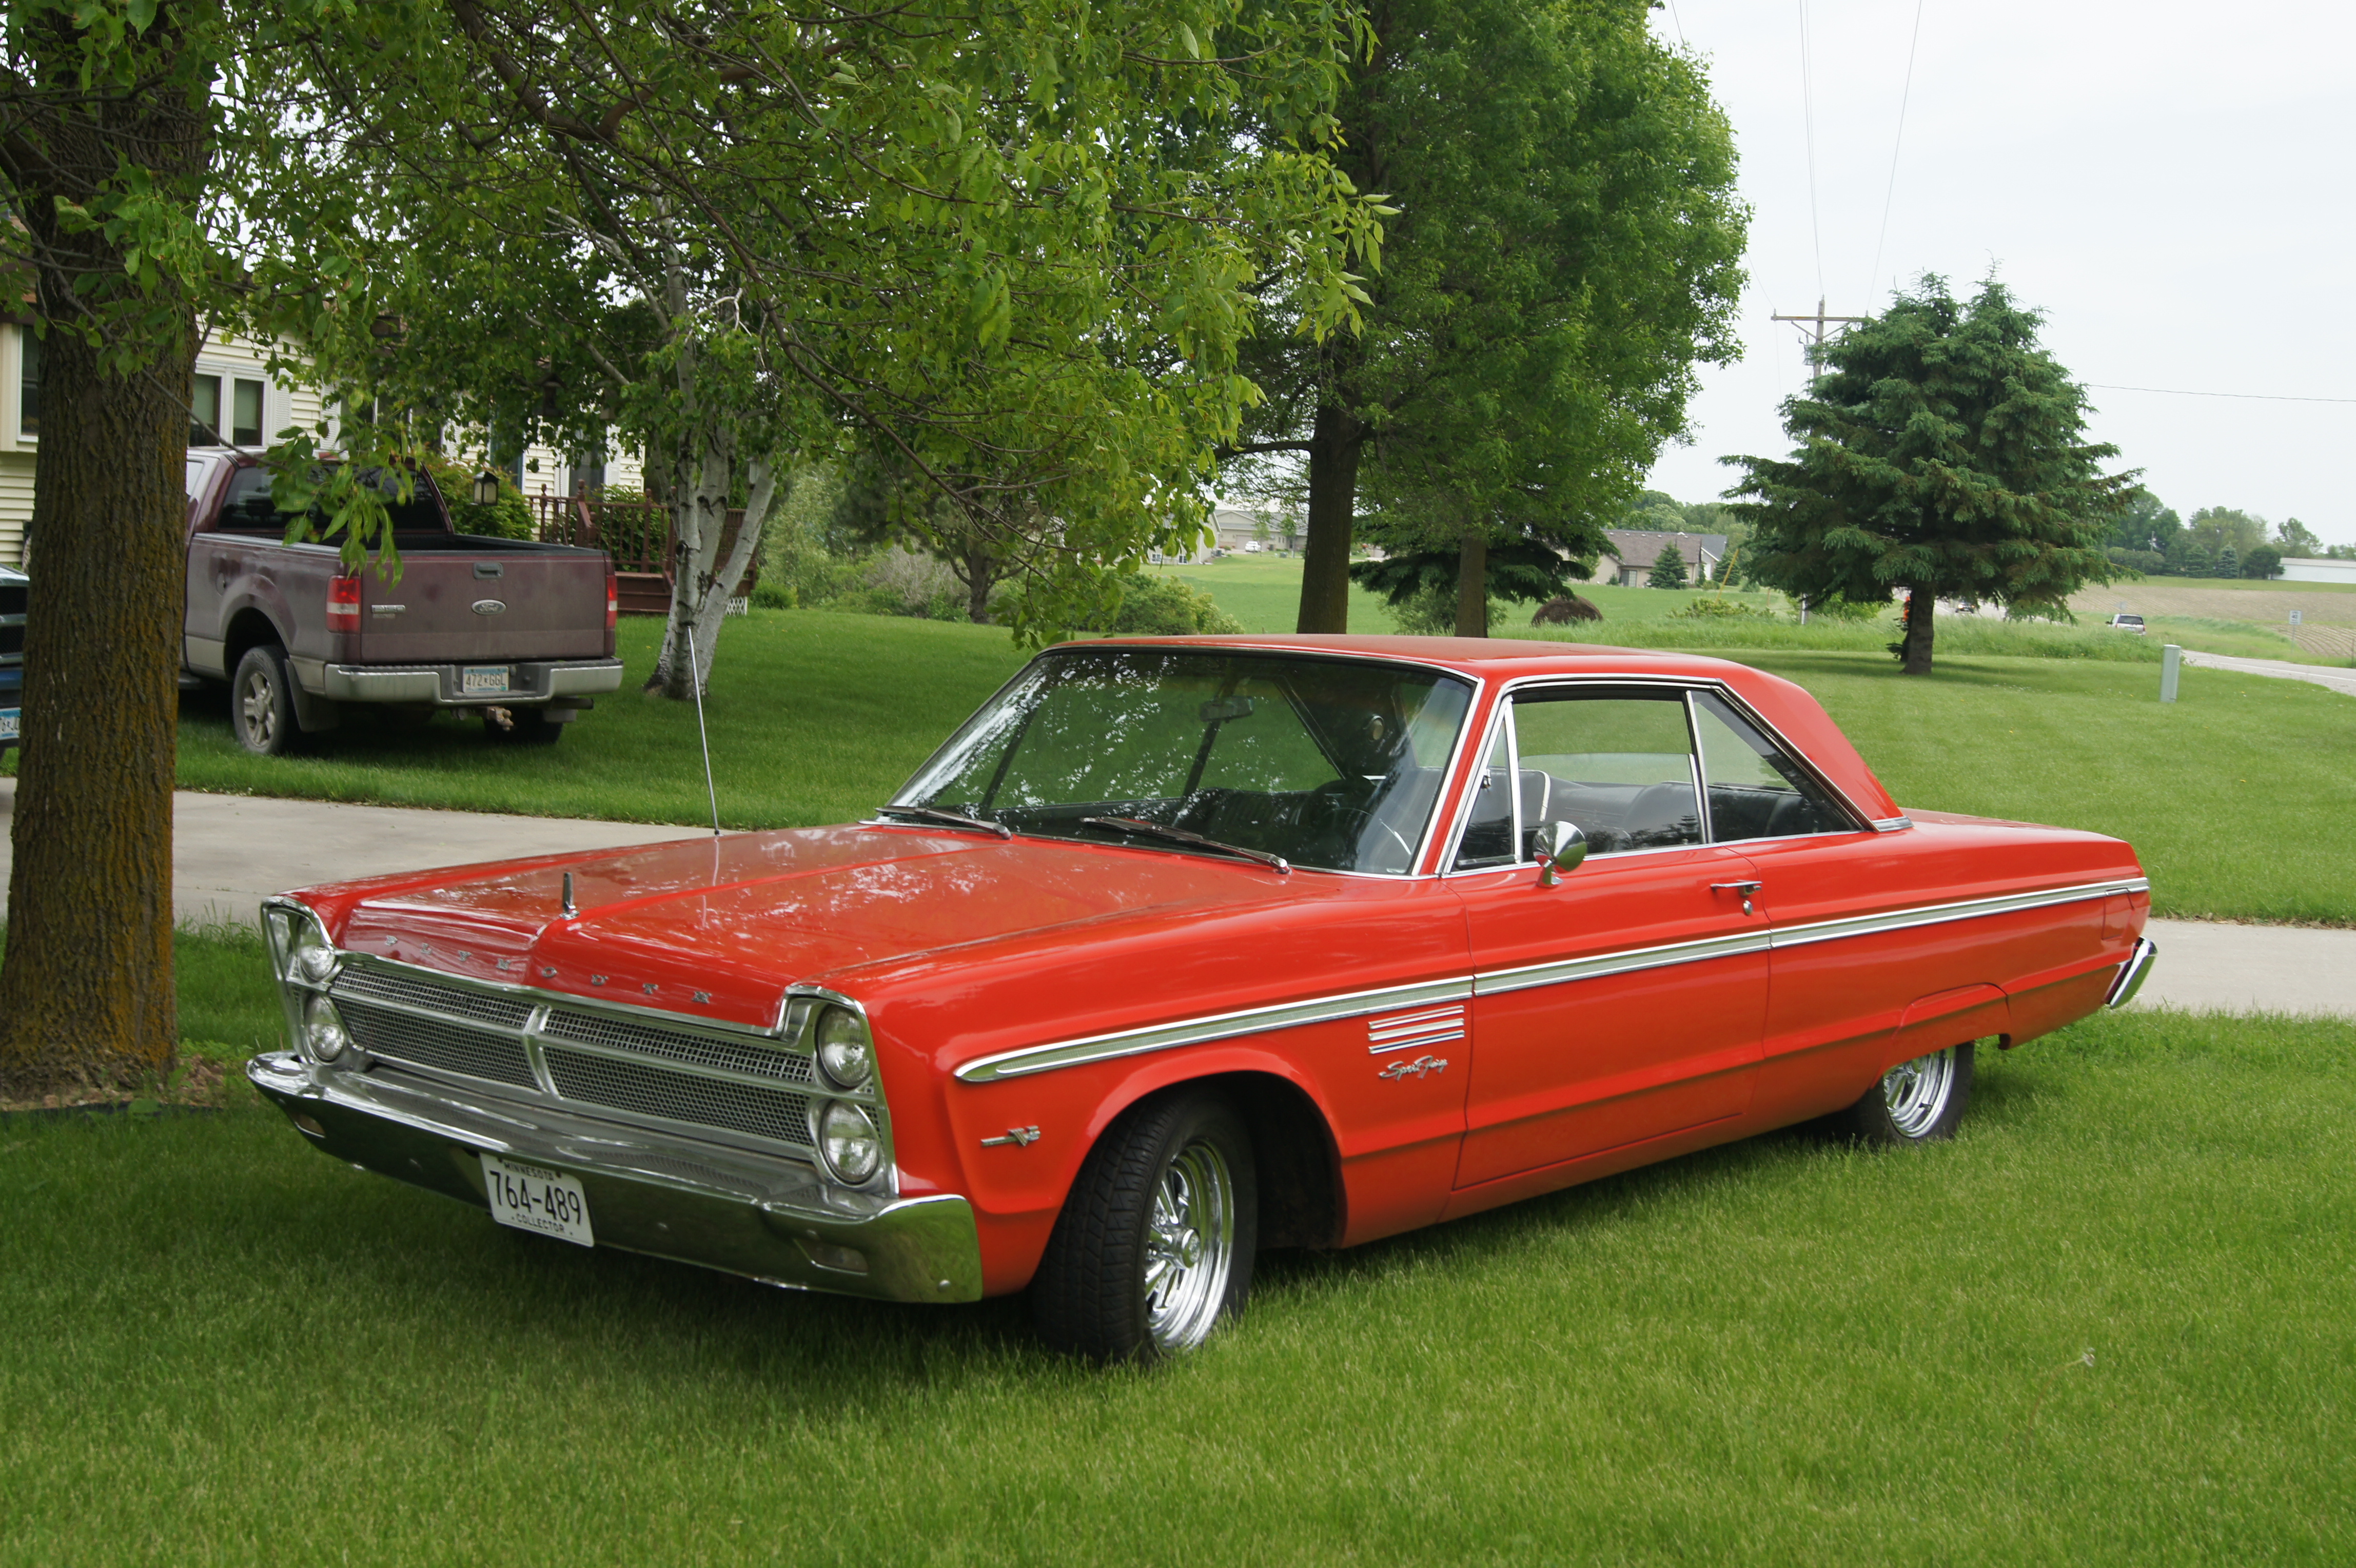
(509, 517)
(1564, 610)
(1166, 606)
(1432, 613)
(1721, 609)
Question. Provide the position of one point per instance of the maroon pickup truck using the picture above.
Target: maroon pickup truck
(519, 631)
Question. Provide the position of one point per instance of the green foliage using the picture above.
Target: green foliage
(1942, 450)
(1417, 583)
(1668, 569)
(509, 517)
(1431, 612)
(1144, 604)
(1714, 609)
(1567, 248)
(2295, 539)
(2262, 562)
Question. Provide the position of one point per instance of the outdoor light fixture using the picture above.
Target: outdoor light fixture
(486, 488)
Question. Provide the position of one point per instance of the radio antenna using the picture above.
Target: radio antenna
(695, 683)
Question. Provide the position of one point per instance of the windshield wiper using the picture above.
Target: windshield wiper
(951, 818)
(1180, 835)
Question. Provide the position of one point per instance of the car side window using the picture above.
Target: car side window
(1756, 791)
(1619, 766)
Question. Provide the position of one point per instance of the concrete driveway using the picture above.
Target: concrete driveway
(229, 852)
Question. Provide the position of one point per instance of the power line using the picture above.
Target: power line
(1873, 279)
(2249, 397)
(1680, 24)
(1808, 116)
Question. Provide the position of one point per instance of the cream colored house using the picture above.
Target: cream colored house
(233, 394)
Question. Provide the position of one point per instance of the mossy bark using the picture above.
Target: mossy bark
(86, 992)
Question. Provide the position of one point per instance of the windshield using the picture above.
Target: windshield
(1329, 763)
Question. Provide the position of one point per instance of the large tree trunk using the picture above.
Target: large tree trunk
(1472, 584)
(1920, 604)
(1334, 449)
(86, 995)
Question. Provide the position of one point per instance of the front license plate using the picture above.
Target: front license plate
(483, 678)
(535, 1198)
(7, 724)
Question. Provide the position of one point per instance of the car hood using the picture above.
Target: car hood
(718, 927)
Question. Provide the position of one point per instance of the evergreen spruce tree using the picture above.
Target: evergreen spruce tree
(1668, 569)
(1944, 451)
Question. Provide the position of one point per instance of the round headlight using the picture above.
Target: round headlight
(845, 1049)
(313, 958)
(324, 1034)
(847, 1138)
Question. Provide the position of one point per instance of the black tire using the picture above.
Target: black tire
(1919, 1102)
(525, 726)
(261, 703)
(1117, 1286)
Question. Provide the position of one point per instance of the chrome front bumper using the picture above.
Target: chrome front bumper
(769, 1220)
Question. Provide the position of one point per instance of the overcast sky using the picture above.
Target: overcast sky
(2169, 182)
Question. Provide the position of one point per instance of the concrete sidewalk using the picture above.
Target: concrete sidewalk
(2342, 680)
(229, 852)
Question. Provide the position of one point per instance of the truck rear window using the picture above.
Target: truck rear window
(248, 509)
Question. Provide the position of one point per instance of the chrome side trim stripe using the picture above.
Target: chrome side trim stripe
(1968, 910)
(1433, 1024)
(1601, 964)
(1219, 1026)
(1897, 824)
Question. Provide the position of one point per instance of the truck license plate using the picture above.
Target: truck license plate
(7, 724)
(535, 1198)
(484, 678)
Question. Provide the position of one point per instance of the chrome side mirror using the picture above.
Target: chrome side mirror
(1560, 847)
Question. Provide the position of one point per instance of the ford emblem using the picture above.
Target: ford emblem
(489, 606)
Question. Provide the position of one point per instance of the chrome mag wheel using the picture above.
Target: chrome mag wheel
(259, 700)
(1916, 1093)
(1190, 1247)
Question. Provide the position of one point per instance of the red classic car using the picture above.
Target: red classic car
(1184, 948)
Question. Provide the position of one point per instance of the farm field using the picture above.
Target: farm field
(2246, 617)
(816, 717)
(2108, 1324)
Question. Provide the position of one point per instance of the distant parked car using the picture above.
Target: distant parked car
(2126, 623)
(13, 585)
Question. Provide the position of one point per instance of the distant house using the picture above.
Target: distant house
(1236, 527)
(2315, 569)
(234, 396)
(1629, 556)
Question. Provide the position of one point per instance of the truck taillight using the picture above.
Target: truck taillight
(344, 603)
(612, 599)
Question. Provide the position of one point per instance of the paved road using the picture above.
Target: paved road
(232, 850)
(2342, 680)
(229, 852)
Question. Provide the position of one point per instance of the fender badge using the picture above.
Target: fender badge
(649, 987)
(702, 997)
(596, 980)
(1415, 1068)
(1022, 1137)
(547, 973)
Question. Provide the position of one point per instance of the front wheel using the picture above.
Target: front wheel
(1917, 1102)
(1154, 1245)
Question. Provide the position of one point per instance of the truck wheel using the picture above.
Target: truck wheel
(525, 727)
(1154, 1245)
(261, 703)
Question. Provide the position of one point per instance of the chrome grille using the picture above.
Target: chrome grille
(678, 1096)
(459, 1002)
(431, 1043)
(674, 1045)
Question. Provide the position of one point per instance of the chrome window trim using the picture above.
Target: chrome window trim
(1029, 1059)
(1431, 827)
(1685, 685)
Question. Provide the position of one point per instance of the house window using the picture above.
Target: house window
(244, 424)
(28, 384)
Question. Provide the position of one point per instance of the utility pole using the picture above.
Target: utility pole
(1821, 323)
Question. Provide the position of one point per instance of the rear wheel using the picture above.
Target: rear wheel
(1917, 1102)
(261, 703)
(1154, 1245)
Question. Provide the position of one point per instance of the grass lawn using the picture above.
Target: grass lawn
(2111, 1323)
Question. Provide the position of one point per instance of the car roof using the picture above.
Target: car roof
(1786, 707)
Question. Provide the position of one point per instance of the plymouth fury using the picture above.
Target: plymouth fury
(1184, 948)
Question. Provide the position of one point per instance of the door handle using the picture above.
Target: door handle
(1745, 888)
